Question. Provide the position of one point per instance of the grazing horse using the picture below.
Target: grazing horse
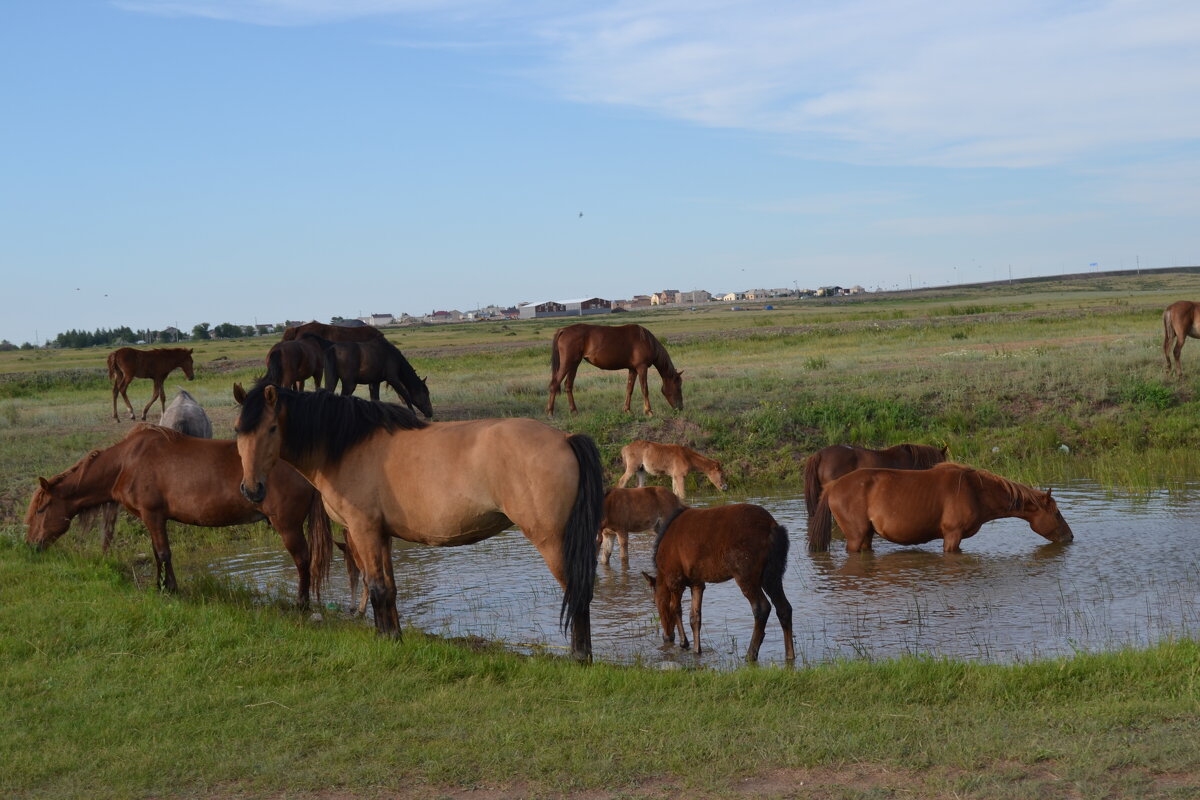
(1181, 319)
(696, 546)
(630, 347)
(383, 472)
(290, 363)
(187, 416)
(374, 362)
(127, 363)
(655, 458)
(160, 475)
(948, 502)
(629, 511)
(334, 333)
(830, 463)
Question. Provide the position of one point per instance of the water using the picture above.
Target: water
(1130, 578)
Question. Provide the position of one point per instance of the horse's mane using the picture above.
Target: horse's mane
(325, 423)
(662, 359)
(923, 455)
(76, 470)
(660, 529)
(407, 374)
(1018, 493)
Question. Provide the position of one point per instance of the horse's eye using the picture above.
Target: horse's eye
(273, 429)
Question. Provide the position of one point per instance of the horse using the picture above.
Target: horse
(629, 511)
(187, 416)
(161, 475)
(830, 463)
(655, 458)
(1181, 319)
(948, 502)
(384, 472)
(127, 363)
(334, 333)
(374, 362)
(630, 347)
(696, 546)
(290, 363)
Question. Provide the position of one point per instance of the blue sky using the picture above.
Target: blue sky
(181, 161)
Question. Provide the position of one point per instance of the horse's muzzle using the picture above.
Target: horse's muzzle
(260, 492)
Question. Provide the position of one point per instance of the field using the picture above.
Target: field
(112, 690)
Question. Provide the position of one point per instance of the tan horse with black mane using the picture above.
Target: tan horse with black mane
(1181, 319)
(127, 363)
(383, 472)
(948, 502)
(630, 347)
(160, 475)
(655, 458)
(830, 463)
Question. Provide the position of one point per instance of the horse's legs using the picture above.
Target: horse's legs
(297, 547)
(110, 525)
(1176, 351)
(1167, 344)
(623, 539)
(783, 610)
(952, 541)
(697, 603)
(156, 524)
(641, 373)
(629, 388)
(121, 384)
(551, 549)
(374, 388)
(630, 469)
(679, 484)
(676, 621)
(762, 610)
(569, 386)
(374, 550)
(158, 392)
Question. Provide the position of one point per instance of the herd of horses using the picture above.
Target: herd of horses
(380, 471)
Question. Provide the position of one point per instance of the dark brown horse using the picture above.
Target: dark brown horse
(334, 333)
(830, 463)
(948, 502)
(629, 511)
(630, 347)
(654, 458)
(696, 546)
(1181, 319)
(374, 362)
(160, 475)
(127, 363)
(383, 472)
(290, 363)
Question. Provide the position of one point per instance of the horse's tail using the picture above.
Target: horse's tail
(554, 360)
(777, 553)
(320, 543)
(112, 365)
(579, 542)
(812, 482)
(331, 367)
(820, 526)
(275, 366)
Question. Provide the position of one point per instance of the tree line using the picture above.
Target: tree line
(124, 335)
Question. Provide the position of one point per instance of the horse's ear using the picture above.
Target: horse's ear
(191, 350)
(270, 395)
(45, 483)
(239, 394)
(679, 373)
(649, 579)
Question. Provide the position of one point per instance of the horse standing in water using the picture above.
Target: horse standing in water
(629, 511)
(127, 363)
(160, 475)
(630, 347)
(830, 463)
(643, 457)
(1181, 319)
(374, 362)
(696, 546)
(290, 363)
(948, 502)
(383, 472)
(187, 416)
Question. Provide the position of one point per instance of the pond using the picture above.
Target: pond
(1130, 578)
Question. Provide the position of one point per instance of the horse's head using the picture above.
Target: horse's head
(259, 437)
(187, 366)
(663, 600)
(48, 516)
(420, 398)
(1048, 521)
(672, 389)
(717, 476)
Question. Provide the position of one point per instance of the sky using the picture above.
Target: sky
(171, 162)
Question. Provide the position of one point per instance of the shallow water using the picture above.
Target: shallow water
(1131, 577)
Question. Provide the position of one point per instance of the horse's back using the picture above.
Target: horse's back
(638, 509)
(1183, 318)
(187, 416)
(712, 541)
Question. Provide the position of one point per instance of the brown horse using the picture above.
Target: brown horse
(383, 472)
(1181, 319)
(629, 511)
(290, 363)
(127, 363)
(696, 546)
(374, 362)
(948, 502)
(160, 475)
(334, 333)
(654, 458)
(830, 463)
(630, 347)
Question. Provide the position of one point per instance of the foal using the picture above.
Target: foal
(629, 511)
(655, 458)
(696, 546)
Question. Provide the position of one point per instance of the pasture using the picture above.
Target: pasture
(112, 690)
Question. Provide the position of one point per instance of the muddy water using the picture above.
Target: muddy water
(1131, 577)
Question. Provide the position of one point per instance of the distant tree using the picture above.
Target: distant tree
(6, 345)
(26, 346)
(263, 330)
(227, 330)
(200, 331)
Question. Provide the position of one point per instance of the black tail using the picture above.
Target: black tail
(579, 545)
(777, 553)
(820, 527)
(275, 367)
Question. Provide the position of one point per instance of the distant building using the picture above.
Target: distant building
(587, 306)
(694, 297)
(664, 298)
(378, 320)
(547, 308)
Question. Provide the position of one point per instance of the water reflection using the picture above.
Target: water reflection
(1127, 579)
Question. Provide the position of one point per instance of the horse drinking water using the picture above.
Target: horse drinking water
(696, 546)
(630, 347)
(127, 363)
(383, 472)
(654, 458)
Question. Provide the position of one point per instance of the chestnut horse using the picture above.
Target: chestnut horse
(655, 458)
(948, 502)
(374, 362)
(696, 546)
(1181, 319)
(290, 363)
(629, 511)
(334, 333)
(383, 472)
(630, 347)
(127, 363)
(830, 463)
(160, 475)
